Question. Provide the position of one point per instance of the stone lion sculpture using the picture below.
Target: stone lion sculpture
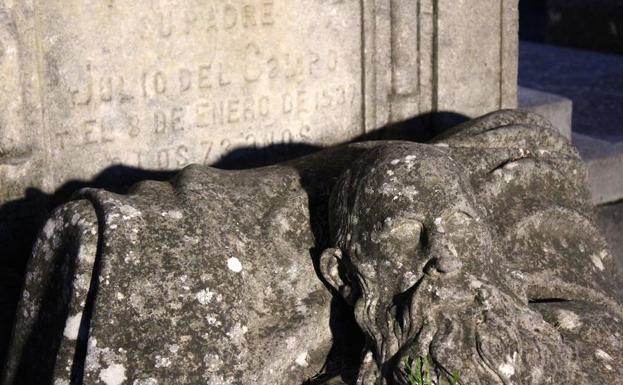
(476, 250)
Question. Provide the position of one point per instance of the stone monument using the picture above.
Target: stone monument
(107, 93)
(477, 249)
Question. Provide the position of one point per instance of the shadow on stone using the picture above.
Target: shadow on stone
(421, 128)
(22, 219)
(42, 347)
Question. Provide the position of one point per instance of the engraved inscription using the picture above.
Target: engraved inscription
(169, 22)
(172, 82)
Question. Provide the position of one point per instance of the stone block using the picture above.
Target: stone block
(605, 167)
(161, 84)
(609, 218)
(555, 108)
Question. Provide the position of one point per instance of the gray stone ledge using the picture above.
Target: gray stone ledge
(555, 108)
(605, 167)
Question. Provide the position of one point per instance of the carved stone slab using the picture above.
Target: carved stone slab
(160, 84)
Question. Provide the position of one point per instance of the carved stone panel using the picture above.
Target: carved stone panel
(160, 84)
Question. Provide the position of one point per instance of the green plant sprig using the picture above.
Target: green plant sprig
(419, 372)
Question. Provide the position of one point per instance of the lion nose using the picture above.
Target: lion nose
(445, 258)
(448, 264)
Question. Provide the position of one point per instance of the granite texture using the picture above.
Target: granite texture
(477, 249)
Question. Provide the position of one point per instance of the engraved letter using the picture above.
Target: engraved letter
(144, 84)
(208, 149)
(160, 83)
(286, 136)
(225, 145)
(305, 131)
(103, 129)
(273, 68)
(287, 103)
(248, 113)
(106, 89)
(251, 140)
(301, 101)
(61, 136)
(248, 16)
(88, 131)
(160, 122)
(182, 156)
(267, 13)
(135, 128)
(233, 110)
(185, 80)
(230, 16)
(190, 18)
(264, 106)
(222, 76)
(166, 21)
(88, 93)
(163, 158)
(332, 60)
(177, 116)
(210, 20)
(201, 112)
(313, 62)
(251, 75)
(204, 77)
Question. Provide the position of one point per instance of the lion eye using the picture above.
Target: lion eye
(458, 218)
(407, 231)
(462, 215)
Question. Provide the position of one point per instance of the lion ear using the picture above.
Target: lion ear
(331, 264)
(521, 131)
(339, 207)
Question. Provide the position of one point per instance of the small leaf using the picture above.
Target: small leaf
(427, 369)
(418, 371)
(456, 376)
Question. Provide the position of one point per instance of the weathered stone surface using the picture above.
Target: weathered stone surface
(494, 260)
(163, 83)
(214, 284)
(477, 249)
